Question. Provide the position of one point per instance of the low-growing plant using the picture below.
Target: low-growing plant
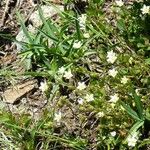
(91, 62)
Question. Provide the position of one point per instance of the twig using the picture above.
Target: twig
(5, 12)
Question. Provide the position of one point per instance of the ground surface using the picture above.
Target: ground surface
(21, 94)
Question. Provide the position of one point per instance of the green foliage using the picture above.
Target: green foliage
(90, 63)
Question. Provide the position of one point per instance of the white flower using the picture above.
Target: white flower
(77, 44)
(124, 80)
(137, 92)
(112, 72)
(86, 35)
(114, 98)
(81, 86)
(111, 57)
(57, 116)
(145, 9)
(100, 114)
(82, 21)
(113, 133)
(89, 97)
(119, 3)
(61, 70)
(43, 86)
(132, 139)
(80, 101)
(68, 74)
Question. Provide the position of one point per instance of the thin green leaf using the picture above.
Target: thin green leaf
(4, 119)
(147, 61)
(77, 28)
(24, 28)
(144, 142)
(138, 104)
(37, 74)
(136, 126)
(48, 26)
(130, 111)
(47, 35)
(7, 36)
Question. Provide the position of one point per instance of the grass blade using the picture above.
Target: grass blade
(136, 126)
(24, 28)
(138, 104)
(48, 26)
(130, 111)
(77, 28)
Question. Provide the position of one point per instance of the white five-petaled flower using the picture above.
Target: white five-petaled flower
(43, 86)
(81, 86)
(86, 35)
(57, 116)
(145, 9)
(124, 80)
(112, 72)
(114, 98)
(100, 114)
(119, 3)
(68, 74)
(111, 57)
(80, 101)
(89, 97)
(61, 70)
(77, 44)
(82, 21)
(113, 133)
(132, 139)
